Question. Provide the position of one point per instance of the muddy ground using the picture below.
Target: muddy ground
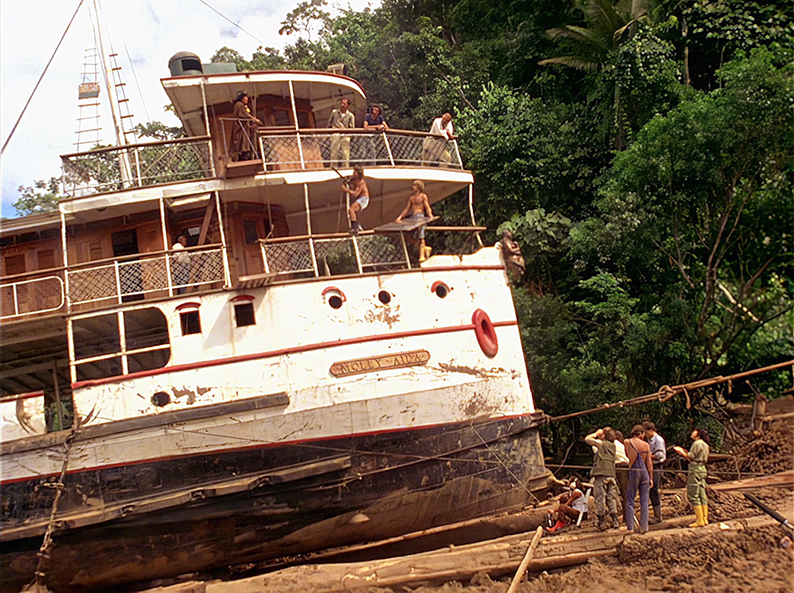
(740, 561)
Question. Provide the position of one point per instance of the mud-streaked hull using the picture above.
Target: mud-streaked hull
(305, 496)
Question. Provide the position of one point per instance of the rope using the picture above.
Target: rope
(232, 22)
(666, 392)
(495, 456)
(57, 47)
(42, 555)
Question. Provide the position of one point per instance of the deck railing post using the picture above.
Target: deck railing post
(388, 148)
(118, 279)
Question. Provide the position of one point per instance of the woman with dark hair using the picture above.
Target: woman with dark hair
(697, 457)
(374, 121)
(640, 477)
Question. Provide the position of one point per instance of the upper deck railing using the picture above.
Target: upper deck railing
(136, 165)
(155, 163)
(319, 148)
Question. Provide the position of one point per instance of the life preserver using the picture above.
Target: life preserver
(485, 332)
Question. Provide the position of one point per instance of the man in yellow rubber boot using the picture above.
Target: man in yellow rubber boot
(697, 457)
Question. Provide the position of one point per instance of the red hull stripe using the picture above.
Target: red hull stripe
(282, 352)
(257, 446)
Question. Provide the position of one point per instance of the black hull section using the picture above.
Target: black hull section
(253, 504)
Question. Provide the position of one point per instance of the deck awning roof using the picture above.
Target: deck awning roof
(323, 90)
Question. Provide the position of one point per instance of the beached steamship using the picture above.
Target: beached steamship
(275, 387)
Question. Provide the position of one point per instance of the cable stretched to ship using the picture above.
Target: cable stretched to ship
(666, 392)
(57, 47)
(495, 456)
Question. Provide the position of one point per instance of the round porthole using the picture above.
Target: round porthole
(334, 297)
(384, 297)
(161, 398)
(440, 289)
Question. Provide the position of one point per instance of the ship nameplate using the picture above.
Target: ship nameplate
(380, 363)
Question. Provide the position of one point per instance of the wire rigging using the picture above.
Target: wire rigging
(232, 22)
(35, 88)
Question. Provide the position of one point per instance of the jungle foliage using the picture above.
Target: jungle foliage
(642, 153)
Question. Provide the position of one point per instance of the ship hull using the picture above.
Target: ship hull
(306, 496)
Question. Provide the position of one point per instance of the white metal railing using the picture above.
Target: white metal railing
(319, 148)
(174, 272)
(26, 297)
(330, 255)
(136, 165)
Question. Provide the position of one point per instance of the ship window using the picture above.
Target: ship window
(250, 232)
(384, 297)
(191, 322)
(281, 117)
(102, 350)
(144, 328)
(14, 264)
(46, 259)
(303, 119)
(244, 314)
(335, 301)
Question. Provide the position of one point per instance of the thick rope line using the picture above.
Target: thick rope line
(666, 392)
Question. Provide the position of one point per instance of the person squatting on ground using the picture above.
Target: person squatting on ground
(572, 504)
(418, 209)
(697, 457)
(356, 187)
(605, 487)
(640, 477)
(659, 454)
(341, 118)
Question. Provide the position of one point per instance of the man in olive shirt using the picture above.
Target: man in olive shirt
(603, 474)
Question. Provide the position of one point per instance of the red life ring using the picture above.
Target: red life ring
(485, 332)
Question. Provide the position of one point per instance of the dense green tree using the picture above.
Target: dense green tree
(42, 196)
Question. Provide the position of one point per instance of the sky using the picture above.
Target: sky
(144, 34)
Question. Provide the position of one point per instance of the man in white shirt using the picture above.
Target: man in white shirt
(659, 453)
(434, 147)
(341, 118)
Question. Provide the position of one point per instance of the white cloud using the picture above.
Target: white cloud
(144, 34)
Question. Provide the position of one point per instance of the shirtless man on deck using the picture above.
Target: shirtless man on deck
(357, 188)
(418, 209)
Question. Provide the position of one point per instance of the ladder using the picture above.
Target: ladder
(88, 125)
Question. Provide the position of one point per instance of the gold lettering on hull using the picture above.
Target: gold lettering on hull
(380, 363)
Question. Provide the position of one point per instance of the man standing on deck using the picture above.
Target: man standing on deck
(341, 118)
(418, 209)
(603, 474)
(356, 187)
(659, 453)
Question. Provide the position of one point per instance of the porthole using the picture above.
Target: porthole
(440, 289)
(161, 398)
(334, 297)
(384, 296)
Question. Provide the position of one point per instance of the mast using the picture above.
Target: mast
(124, 161)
